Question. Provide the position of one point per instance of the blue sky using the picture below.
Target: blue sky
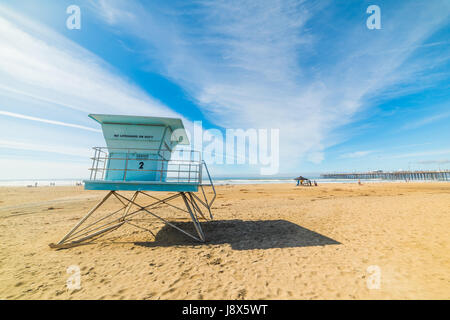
(343, 97)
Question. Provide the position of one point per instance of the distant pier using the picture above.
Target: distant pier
(393, 175)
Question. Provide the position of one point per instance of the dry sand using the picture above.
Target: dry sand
(267, 242)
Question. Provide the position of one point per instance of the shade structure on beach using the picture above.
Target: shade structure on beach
(301, 179)
(140, 156)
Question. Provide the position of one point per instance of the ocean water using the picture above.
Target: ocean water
(319, 180)
(39, 182)
(217, 181)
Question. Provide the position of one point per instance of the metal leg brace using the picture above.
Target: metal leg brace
(86, 230)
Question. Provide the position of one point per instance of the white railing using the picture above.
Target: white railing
(181, 166)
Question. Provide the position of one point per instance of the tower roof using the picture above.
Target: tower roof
(175, 124)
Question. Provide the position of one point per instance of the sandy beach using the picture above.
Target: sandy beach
(273, 241)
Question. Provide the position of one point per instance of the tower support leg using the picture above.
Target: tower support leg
(86, 230)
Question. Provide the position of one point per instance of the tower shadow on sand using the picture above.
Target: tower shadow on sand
(243, 235)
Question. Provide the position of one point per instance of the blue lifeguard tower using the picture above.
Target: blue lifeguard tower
(141, 156)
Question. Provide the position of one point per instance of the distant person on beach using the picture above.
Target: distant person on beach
(315, 183)
(359, 182)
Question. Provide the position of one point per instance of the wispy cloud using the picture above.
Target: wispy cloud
(421, 154)
(280, 64)
(356, 154)
(58, 123)
(38, 63)
(46, 78)
(441, 161)
(59, 149)
(41, 169)
(426, 121)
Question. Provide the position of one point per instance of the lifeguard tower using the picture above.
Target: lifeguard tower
(140, 156)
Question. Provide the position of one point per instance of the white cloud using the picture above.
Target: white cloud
(259, 65)
(425, 121)
(42, 72)
(441, 161)
(356, 154)
(58, 123)
(421, 153)
(39, 63)
(59, 149)
(39, 169)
